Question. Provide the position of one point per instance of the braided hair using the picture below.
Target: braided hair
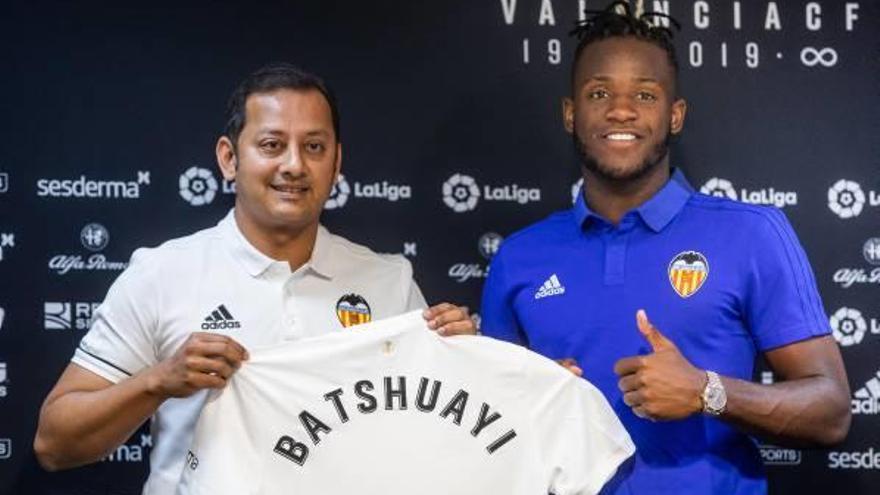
(619, 20)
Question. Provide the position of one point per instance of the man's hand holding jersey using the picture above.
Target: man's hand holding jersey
(448, 319)
(205, 360)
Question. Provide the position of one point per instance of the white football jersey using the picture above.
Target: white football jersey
(392, 408)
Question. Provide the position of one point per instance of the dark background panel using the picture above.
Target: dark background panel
(136, 91)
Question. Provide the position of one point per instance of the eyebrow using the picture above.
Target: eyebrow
(277, 132)
(603, 78)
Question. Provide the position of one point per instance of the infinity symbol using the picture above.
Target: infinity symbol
(812, 56)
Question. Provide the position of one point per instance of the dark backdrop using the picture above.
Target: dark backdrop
(125, 100)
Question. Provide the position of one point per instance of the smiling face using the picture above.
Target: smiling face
(623, 108)
(285, 161)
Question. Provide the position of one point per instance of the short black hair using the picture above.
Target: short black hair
(618, 20)
(270, 78)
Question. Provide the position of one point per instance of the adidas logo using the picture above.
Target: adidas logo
(866, 400)
(220, 319)
(551, 287)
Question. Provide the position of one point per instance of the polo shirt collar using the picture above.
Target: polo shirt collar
(657, 212)
(256, 263)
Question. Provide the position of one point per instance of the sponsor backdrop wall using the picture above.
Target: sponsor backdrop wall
(453, 140)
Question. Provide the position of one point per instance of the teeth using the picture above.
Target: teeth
(621, 136)
(289, 189)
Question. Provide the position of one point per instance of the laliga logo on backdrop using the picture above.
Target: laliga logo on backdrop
(847, 277)
(723, 188)
(849, 326)
(847, 199)
(339, 194)
(488, 245)
(83, 187)
(93, 237)
(2, 379)
(198, 186)
(376, 190)
(576, 189)
(461, 193)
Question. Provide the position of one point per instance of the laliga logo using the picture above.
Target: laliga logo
(198, 186)
(377, 190)
(847, 199)
(723, 188)
(339, 194)
(461, 193)
(849, 326)
(576, 189)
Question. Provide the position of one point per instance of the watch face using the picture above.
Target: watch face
(716, 398)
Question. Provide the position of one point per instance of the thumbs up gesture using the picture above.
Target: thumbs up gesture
(662, 385)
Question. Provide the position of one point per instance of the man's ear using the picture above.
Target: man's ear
(337, 167)
(568, 114)
(676, 119)
(226, 158)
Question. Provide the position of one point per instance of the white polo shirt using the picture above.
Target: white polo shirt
(392, 408)
(216, 281)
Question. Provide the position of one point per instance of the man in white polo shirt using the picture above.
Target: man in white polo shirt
(179, 319)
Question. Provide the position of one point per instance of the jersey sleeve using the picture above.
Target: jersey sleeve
(498, 319)
(782, 303)
(581, 441)
(119, 342)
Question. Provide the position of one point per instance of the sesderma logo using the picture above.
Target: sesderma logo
(868, 459)
(135, 450)
(766, 196)
(83, 187)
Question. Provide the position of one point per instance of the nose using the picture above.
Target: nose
(621, 109)
(291, 161)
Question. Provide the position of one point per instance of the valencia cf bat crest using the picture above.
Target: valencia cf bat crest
(352, 309)
(688, 272)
